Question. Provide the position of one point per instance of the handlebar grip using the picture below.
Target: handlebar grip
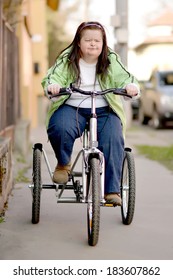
(63, 90)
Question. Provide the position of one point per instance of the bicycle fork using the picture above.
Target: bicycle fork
(90, 145)
(85, 169)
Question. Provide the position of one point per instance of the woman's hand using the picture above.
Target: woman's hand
(132, 89)
(53, 88)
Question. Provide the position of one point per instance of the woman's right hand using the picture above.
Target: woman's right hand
(53, 88)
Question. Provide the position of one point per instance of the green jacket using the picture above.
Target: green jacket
(117, 77)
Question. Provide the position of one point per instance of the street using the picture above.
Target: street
(62, 231)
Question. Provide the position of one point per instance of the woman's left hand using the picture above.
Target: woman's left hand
(132, 89)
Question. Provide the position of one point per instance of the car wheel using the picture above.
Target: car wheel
(156, 121)
(142, 118)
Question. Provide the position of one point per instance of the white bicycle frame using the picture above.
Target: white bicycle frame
(90, 145)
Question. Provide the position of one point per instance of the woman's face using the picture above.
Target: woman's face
(91, 44)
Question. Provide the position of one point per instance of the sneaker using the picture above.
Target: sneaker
(113, 198)
(61, 173)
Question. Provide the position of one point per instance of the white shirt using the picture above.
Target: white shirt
(87, 75)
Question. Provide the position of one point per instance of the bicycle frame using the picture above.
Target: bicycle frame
(90, 148)
(90, 145)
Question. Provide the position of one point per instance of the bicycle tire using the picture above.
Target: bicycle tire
(128, 188)
(37, 186)
(93, 206)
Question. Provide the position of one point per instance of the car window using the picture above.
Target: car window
(166, 79)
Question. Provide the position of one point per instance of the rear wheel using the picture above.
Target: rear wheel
(128, 188)
(93, 207)
(37, 186)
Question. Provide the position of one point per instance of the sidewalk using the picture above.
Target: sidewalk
(61, 233)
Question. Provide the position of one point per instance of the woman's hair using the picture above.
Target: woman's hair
(75, 53)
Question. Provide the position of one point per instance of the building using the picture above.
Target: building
(155, 52)
(23, 63)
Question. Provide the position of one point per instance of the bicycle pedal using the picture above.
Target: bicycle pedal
(109, 205)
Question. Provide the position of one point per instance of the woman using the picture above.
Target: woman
(91, 65)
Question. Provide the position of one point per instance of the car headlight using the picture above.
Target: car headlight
(166, 100)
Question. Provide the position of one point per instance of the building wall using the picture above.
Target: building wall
(151, 57)
(33, 57)
(40, 58)
(155, 52)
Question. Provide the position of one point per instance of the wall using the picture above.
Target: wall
(153, 56)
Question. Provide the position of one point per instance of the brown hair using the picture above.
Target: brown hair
(75, 54)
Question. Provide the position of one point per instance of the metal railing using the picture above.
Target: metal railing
(9, 75)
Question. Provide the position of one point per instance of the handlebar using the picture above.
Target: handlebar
(71, 89)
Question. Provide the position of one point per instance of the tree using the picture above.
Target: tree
(58, 36)
(11, 11)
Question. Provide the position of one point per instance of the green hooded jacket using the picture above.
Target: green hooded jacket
(117, 77)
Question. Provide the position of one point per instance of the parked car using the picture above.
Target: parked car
(135, 104)
(135, 108)
(156, 102)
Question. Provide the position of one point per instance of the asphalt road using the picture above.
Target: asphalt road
(62, 231)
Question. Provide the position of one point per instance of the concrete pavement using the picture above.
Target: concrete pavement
(62, 231)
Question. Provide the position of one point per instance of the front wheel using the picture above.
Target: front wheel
(93, 207)
(37, 186)
(128, 188)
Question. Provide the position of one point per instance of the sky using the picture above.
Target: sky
(139, 13)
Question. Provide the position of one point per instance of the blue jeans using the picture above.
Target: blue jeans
(66, 124)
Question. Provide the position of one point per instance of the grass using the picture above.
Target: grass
(164, 154)
(21, 169)
(2, 219)
(2, 213)
(21, 176)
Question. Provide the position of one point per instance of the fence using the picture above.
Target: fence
(9, 104)
(9, 75)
